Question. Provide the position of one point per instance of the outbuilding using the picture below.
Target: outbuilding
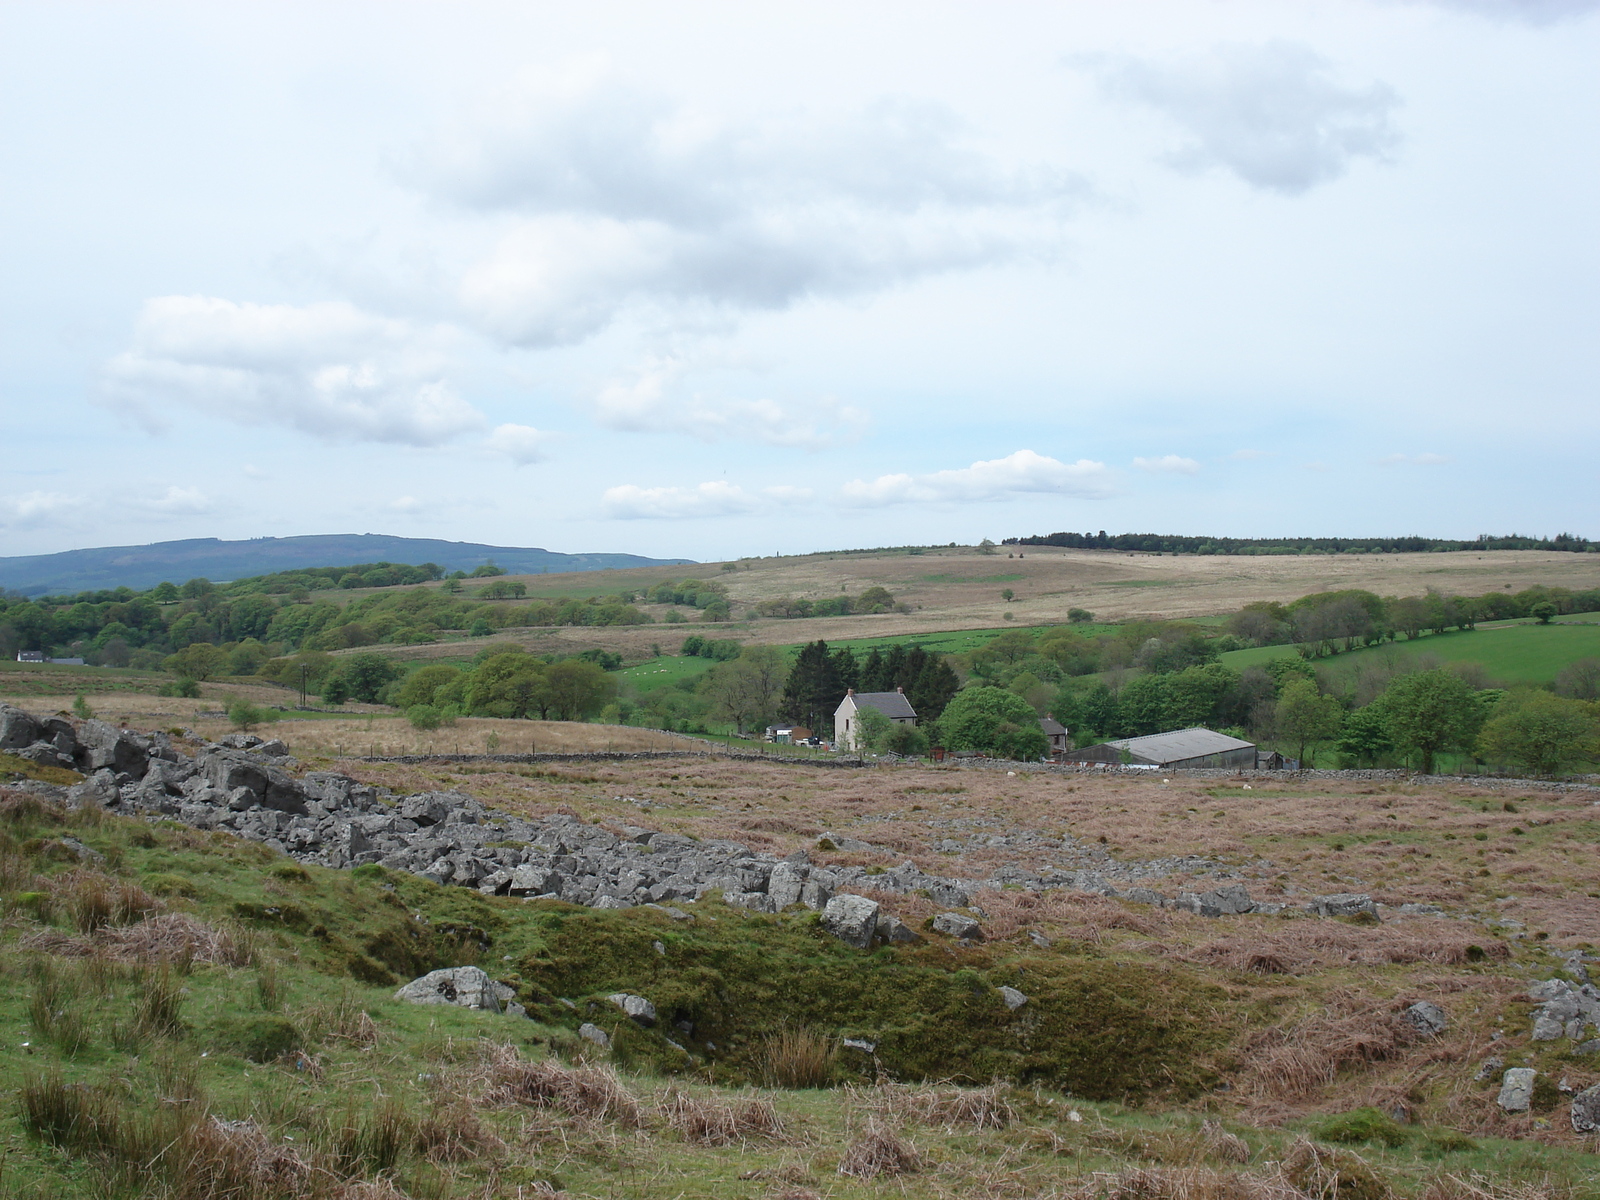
(1181, 748)
(1056, 734)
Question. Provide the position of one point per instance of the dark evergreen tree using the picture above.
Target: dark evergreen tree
(874, 673)
(933, 689)
(813, 689)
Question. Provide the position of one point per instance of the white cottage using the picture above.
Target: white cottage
(893, 705)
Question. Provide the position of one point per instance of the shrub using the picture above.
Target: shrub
(187, 688)
(246, 716)
(426, 716)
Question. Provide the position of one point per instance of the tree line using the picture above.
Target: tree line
(1153, 543)
(252, 621)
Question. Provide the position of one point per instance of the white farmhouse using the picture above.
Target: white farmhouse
(893, 705)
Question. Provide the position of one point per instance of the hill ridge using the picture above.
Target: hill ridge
(145, 566)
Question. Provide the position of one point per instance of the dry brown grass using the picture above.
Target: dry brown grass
(95, 900)
(1183, 1183)
(878, 1150)
(167, 937)
(590, 1092)
(1324, 1173)
(1312, 944)
(704, 1121)
(1480, 1187)
(953, 1108)
(1296, 1063)
(390, 735)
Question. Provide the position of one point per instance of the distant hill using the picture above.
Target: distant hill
(145, 566)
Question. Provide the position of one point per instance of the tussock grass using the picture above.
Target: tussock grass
(1183, 1183)
(175, 938)
(592, 1092)
(704, 1121)
(952, 1108)
(1323, 1173)
(878, 1150)
(798, 1058)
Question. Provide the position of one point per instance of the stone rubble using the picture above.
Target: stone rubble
(242, 785)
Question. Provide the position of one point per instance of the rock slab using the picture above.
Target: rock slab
(852, 919)
(1516, 1089)
(465, 987)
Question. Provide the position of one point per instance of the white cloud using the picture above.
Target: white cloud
(618, 199)
(1414, 460)
(178, 501)
(405, 504)
(1272, 114)
(653, 400)
(328, 369)
(33, 510)
(1168, 464)
(996, 479)
(715, 499)
(1522, 12)
(522, 444)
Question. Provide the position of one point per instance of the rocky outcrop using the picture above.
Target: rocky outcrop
(1567, 1010)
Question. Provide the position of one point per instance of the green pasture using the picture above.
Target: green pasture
(1510, 652)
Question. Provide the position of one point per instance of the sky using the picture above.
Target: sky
(712, 280)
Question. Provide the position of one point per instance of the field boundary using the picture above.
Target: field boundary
(607, 756)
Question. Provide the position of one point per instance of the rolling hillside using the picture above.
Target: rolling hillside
(145, 566)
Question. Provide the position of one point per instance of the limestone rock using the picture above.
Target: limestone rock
(1426, 1017)
(637, 1007)
(465, 987)
(17, 728)
(593, 1033)
(1013, 998)
(1516, 1089)
(851, 919)
(895, 931)
(957, 925)
(1586, 1110)
(1342, 904)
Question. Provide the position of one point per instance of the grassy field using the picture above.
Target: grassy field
(1510, 652)
(195, 1016)
(954, 589)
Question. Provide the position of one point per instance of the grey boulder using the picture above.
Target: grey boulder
(1426, 1017)
(1586, 1110)
(1516, 1089)
(851, 919)
(637, 1007)
(464, 987)
(958, 925)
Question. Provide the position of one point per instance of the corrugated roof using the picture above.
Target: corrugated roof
(1180, 744)
(890, 704)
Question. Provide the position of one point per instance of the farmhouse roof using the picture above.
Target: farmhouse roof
(1180, 744)
(1052, 727)
(893, 705)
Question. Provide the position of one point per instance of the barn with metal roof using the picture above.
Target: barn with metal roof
(1181, 748)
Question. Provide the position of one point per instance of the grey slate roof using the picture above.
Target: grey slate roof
(1180, 744)
(893, 705)
(1052, 727)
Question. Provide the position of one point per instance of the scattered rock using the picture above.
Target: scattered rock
(1426, 1017)
(1487, 1069)
(852, 919)
(860, 1044)
(637, 1007)
(1013, 998)
(1586, 1110)
(958, 925)
(895, 931)
(593, 1033)
(1516, 1089)
(1342, 904)
(465, 987)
